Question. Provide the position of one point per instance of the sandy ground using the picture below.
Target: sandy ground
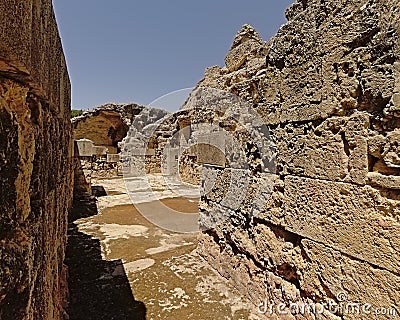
(163, 268)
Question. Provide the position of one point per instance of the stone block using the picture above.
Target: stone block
(85, 147)
(169, 164)
(359, 289)
(100, 150)
(357, 221)
(113, 158)
(210, 148)
(335, 149)
(150, 152)
(227, 188)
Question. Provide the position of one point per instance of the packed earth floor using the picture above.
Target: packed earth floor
(122, 266)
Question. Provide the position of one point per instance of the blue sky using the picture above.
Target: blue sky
(131, 51)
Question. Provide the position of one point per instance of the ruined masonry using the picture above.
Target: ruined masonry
(327, 86)
(35, 162)
(319, 222)
(312, 218)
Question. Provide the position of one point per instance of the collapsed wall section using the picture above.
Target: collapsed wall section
(106, 125)
(327, 225)
(35, 162)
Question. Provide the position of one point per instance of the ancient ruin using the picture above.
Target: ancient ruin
(327, 87)
(322, 221)
(293, 148)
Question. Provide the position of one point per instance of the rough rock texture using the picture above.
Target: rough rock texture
(100, 168)
(178, 144)
(82, 185)
(189, 167)
(106, 125)
(35, 162)
(143, 146)
(324, 225)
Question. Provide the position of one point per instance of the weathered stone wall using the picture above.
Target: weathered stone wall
(144, 144)
(189, 167)
(167, 144)
(325, 225)
(100, 168)
(35, 162)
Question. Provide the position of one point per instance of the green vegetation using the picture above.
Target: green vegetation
(75, 113)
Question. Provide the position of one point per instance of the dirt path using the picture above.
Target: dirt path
(166, 276)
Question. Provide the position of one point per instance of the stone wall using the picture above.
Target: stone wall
(324, 225)
(168, 143)
(35, 162)
(100, 168)
(145, 141)
(189, 167)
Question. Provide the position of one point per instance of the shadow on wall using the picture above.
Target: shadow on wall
(98, 289)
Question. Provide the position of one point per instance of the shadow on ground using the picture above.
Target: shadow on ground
(98, 289)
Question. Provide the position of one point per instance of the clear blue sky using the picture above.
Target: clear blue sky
(138, 51)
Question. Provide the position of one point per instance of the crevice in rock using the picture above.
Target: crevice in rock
(328, 292)
(371, 162)
(289, 273)
(389, 194)
(238, 252)
(9, 157)
(346, 146)
(280, 232)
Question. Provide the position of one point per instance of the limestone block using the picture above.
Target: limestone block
(376, 143)
(134, 148)
(85, 147)
(150, 152)
(100, 150)
(355, 220)
(264, 198)
(391, 151)
(227, 188)
(169, 164)
(362, 287)
(210, 148)
(334, 150)
(385, 151)
(355, 143)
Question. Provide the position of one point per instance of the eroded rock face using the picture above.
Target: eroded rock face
(106, 125)
(35, 162)
(324, 224)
